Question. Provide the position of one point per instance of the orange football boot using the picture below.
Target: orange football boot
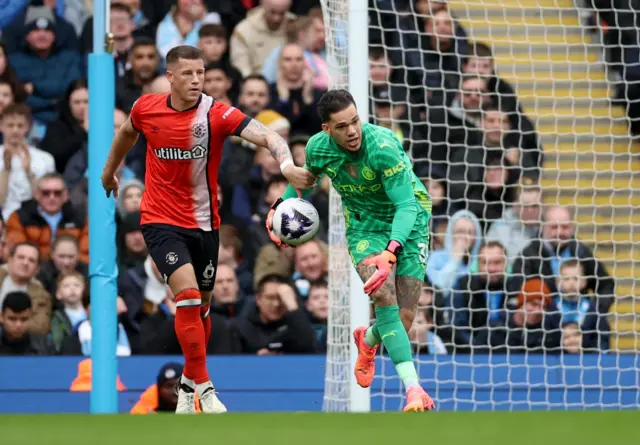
(418, 401)
(365, 364)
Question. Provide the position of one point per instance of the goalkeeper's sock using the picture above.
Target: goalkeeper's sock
(371, 336)
(190, 333)
(396, 342)
(206, 322)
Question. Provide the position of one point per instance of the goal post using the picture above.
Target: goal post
(587, 162)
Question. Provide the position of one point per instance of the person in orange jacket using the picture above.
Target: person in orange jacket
(82, 382)
(162, 396)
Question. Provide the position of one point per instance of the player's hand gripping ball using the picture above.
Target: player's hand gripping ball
(293, 221)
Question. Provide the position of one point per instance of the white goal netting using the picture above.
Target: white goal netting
(520, 117)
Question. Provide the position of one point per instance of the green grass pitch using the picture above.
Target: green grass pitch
(490, 428)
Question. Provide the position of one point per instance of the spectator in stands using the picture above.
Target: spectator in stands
(462, 243)
(227, 298)
(6, 98)
(129, 197)
(214, 45)
(79, 343)
(65, 259)
(530, 328)
(158, 335)
(42, 62)
(482, 297)
(217, 83)
(489, 199)
(519, 224)
(309, 33)
(422, 333)
(256, 36)
(238, 154)
(577, 309)
(572, 338)
(435, 181)
(274, 189)
(14, 34)
(15, 320)
(67, 134)
(383, 112)
(317, 306)
(450, 138)
(542, 257)
(181, 25)
(311, 264)
(142, 25)
(121, 23)
(293, 94)
(276, 324)
(49, 216)
(21, 164)
(523, 134)
(70, 290)
(19, 275)
(162, 396)
(144, 63)
(8, 76)
(132, 249)
(440, 56)
(231, 252)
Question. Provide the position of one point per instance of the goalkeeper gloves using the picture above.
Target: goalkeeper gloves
(384, 261)
(269, 224)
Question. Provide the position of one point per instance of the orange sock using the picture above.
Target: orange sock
(190, 332)
(206, 322)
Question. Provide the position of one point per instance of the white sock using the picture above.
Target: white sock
(202, 387)
(190, 383)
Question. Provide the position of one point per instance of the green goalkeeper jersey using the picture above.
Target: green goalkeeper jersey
(379, 190)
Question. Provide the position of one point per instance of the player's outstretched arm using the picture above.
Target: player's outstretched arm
(123, 141)
(258, 134)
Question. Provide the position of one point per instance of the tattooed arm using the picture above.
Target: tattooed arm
(261, 136)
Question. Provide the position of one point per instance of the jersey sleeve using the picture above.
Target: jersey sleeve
(315, 160)
(228, 120)
(134, 116)
(398, 185)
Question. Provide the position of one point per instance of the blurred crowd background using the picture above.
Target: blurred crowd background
(505, 273)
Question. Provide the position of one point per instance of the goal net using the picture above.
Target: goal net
(519, 117)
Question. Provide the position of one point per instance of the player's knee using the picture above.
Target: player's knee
(406, 316)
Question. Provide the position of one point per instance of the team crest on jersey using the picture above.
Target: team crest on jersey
(368, 174)
(199, 130)
(353, 171)
(362, 246)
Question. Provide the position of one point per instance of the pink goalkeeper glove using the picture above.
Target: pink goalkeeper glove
(384, 261)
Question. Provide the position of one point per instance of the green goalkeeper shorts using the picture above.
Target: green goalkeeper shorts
(412, 261)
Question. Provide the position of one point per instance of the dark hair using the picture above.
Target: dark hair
(334, 101)
(213, 30)
(220, 66)
(276, 179)
(9, 76)
(16, 109)
(17, 301)
(480, 50)
(52, 175)
(187, 52)
(377, 52)
(65, 238)
(121, 7)
(270, 278)
(256, 76)
(86, 298)
(142, 41)
(490, 244)
(15, 247)
(318, 283)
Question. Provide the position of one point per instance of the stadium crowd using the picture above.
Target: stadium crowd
(504, 272)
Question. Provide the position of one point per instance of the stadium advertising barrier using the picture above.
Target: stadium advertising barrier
(295, 383)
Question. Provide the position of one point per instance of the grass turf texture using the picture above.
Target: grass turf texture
(485, 428)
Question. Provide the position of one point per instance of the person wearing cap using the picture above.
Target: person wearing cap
(529, 328)
(132, 249)
(43, 64)
(162, 397)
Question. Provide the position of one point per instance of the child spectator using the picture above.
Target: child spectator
(71, 287)
(317, 306)
(530, 328)
(79, 343)
(15, 319)
(64, 259)
(20, 164)
(217, 82)
(576, 308)
(212, 41)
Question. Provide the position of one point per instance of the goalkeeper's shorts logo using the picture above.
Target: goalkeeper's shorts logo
(362, 246)
(368, 174)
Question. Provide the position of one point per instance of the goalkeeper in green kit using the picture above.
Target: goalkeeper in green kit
(387, 211)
